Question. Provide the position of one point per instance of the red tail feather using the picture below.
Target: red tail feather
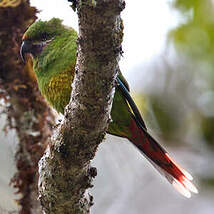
(160, 159)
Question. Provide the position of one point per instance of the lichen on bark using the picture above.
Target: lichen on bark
(65, 171)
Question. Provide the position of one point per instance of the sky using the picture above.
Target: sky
(146, 26)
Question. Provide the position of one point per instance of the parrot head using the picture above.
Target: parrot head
(39, 35)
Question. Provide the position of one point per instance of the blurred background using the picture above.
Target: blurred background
(169, 63)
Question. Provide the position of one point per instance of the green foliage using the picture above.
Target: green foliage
(196, 37)
(208, 181)
(195, 40)
(166, 115)
(185, 4)
(207, 126)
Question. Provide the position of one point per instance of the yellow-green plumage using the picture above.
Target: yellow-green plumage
(55, 68)
(53, 47)
(58, 91)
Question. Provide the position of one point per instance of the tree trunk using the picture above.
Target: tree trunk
(65, 172)
(26, 110)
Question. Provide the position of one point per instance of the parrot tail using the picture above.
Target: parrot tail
(157, 156)
(160, 159)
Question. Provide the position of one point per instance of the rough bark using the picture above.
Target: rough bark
(65, 171)
(26, 110)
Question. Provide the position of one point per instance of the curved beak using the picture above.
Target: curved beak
(26, 47)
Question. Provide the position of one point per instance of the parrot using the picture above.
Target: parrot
(52, 47)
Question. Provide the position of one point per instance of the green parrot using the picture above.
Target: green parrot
(53, 47)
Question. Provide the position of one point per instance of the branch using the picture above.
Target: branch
(65, 172)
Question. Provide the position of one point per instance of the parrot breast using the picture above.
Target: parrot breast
(58, 90)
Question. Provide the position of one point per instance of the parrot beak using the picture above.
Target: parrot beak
(26, 47)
